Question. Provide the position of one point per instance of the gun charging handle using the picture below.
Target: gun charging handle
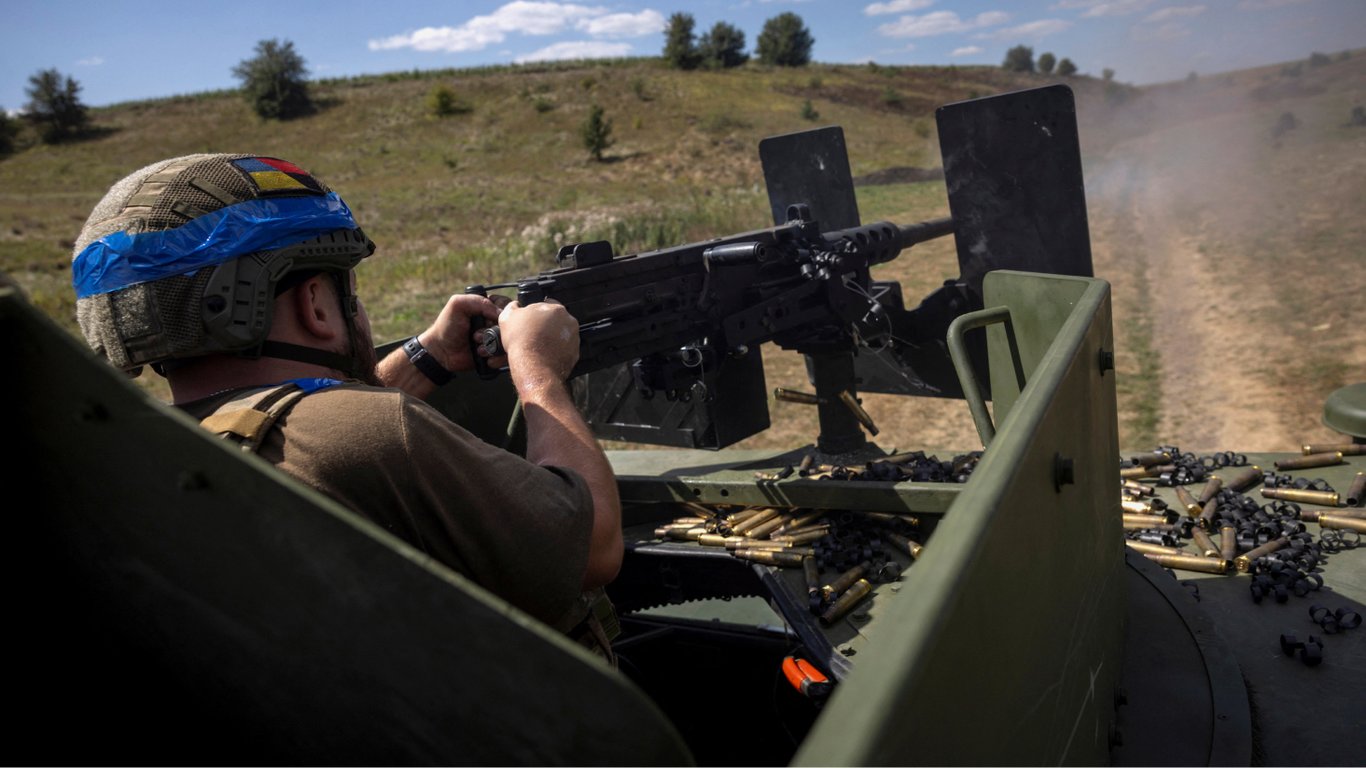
(492, 343)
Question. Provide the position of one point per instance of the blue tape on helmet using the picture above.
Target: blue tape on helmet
(119, 260)
(309, 386)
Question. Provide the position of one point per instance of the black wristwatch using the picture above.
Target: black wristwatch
(424, 361)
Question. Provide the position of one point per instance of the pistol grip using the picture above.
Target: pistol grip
(492, 341)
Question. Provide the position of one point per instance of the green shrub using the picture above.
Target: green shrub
(809, 112)
(542, 104)
(442, 102)
(54, 106)
(1019, 59)
(785, 41)
(273, 81)
(596, 132)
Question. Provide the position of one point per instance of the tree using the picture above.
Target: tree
(785, 41)
(596, 132)
(1107, 74)
(723, 47)
(1066, 68)
(1019, 59)
(680, 47)
(7, 131)
(1046, 63)
(273, 80)
(54, 106)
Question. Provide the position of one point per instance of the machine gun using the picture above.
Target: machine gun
(670, 339)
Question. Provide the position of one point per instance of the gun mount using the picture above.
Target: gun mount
(670, 339)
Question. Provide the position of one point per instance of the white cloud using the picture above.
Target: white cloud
(525, 17)
(1033, 29)
(940, 23)
(578, 49)
(646, 22)
(1116, 8)
(90, 61)
(896, 6)
(1175, 12)
(967, 50)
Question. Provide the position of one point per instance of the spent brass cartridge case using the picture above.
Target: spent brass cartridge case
(851, 597)
(742, 515)
(1150, 459)
(1154, 549)
(1313, 515)
(812, 571)
(1189, 563)
(698, 510)
(1309, 462)
(890, 517)
(793, 396)
(712, 540)
(1343, 522)
(683, 534)
(843, 581)
(741, 542)
(1204, 542)
(788, 531)
(1139, 522)
(1322, 498)
(903, 544)
(1244, 561)
(863, 418)
(1356, 494)
(1228, 541)
(1208, 513)
(1138, 489)
(762, 530)
(687, 522)
(771, 557)
(1136, 507)
(1346, 449)
(801, 521)
(807, 461)
(754, 521)
(806, 537)
(1188, 501)
(1138, 473)
(1211, 489)
(1246, 478)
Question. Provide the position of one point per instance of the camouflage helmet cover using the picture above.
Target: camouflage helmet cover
(181, 258)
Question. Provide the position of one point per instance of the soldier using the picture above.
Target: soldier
(232, 276)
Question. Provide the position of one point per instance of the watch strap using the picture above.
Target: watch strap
(423, 360)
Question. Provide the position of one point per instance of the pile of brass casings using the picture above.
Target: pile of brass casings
(787, 538)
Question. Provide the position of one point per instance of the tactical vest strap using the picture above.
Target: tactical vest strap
(247, 418)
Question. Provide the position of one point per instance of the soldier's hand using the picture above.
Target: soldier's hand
(448, 339)
(541, 340)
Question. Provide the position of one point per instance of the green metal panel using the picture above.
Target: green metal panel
(175, 601)
(1010, 648)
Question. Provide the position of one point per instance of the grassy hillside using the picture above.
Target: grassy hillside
(490, 193)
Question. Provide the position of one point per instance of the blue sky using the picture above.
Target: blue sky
(120, 50)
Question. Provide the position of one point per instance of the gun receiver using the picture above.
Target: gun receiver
(687, 307)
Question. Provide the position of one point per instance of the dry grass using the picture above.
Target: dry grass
(488, 195)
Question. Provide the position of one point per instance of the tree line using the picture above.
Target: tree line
(784, 41)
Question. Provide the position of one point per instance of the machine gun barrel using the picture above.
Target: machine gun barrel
(635, 305)
(912, 234)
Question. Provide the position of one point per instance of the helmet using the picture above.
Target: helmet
(184, 258)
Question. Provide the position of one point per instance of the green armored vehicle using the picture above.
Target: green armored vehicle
(179, 601)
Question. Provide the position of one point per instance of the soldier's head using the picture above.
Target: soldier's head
(185, 258)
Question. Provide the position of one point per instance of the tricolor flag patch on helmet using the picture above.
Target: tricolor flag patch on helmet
(272, 176)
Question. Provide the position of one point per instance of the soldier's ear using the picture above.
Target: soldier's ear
(315, 308)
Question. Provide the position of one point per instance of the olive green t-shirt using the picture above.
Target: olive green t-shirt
(518, 529)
